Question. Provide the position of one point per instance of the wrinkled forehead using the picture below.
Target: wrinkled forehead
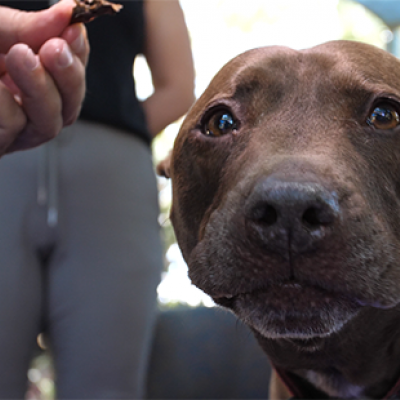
(342, 64)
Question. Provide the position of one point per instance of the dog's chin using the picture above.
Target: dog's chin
(299, 314)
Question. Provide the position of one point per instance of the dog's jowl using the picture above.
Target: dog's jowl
(286, 206)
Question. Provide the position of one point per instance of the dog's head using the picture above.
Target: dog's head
(286, 188)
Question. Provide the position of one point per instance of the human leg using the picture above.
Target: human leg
(21, 275)
(106, 266)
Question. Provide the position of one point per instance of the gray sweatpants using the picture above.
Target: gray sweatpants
(81, 256)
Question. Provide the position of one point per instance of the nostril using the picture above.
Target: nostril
(311, 217)
(270, 216)
(264, 214)
(314, 217)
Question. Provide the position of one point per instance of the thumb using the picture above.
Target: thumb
(33, 28)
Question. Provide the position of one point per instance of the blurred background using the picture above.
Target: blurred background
(220, 30)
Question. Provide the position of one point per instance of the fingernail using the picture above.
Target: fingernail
(78, 45)
(65, 58)
(31, 60)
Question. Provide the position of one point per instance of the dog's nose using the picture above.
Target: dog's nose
(291, 217)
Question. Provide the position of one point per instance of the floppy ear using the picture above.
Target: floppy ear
(163, 167)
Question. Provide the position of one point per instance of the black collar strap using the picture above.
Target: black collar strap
(301, 389)
(393, 393)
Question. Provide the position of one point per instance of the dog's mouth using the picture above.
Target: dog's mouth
(293, 311)
(309, 345)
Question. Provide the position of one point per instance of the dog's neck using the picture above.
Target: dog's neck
(320, 385)
(286, 386)
(347, 364)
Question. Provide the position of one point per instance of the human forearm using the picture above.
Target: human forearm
(169, 57)
(166, 106)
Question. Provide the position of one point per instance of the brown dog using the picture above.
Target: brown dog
(286, 206)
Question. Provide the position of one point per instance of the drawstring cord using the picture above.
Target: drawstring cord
(47, 191)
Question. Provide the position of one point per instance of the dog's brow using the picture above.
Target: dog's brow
(254, 89)
(267, 81)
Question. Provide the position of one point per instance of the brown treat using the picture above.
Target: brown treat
(87, 10)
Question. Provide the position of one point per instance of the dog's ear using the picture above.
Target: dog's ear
(163, 167)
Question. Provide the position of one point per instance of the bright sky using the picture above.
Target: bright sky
(222, 29)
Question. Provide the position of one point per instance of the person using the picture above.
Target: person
(39, 93)
(79, 236)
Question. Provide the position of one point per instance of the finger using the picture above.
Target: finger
(40, 98)
(68, 73)
(11, 86)
(12, 119)
(76, 36)
(5, 77)
(33, 28)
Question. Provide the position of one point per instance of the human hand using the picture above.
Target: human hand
(42, 74)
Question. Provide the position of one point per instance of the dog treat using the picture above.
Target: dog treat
(87, 10)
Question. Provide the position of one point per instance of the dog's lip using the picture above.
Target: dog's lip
(307, 295)
(309, 345)
(295, 287)
(289, 285)
(292, 310)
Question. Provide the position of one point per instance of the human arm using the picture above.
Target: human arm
(168, 54)
(42, 74)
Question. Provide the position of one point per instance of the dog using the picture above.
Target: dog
(286, 207)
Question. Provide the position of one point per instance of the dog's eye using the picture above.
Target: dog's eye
(220, 123)
(384, 116)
